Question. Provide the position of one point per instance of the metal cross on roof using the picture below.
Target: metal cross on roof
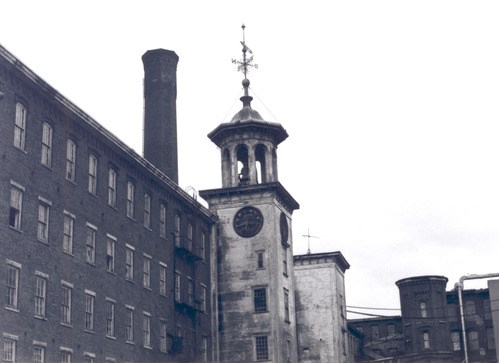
(308, 239)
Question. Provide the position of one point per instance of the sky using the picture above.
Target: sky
(391, 109)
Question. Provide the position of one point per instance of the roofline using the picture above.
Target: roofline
(337, 255)
(63, 101)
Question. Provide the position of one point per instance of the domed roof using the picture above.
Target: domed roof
(247, 113)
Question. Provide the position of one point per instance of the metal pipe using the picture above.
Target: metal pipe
(459, 286)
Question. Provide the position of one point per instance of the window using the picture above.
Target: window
(391, 329)
(469, 310)
(473, 340)
(91, 238)
(202, 298)
(162, 278)
(147, 272)
(190, 291)
(285, 261)
(261, 347)
(46, 158)
(9, 348)
(92, 174)
(260, 299)
(70, 160)
(491, 343)
(177, 229)
(146, 329)
(487, 312)
(40, 293)
(130, 200)
(67, 241)
(16, 205)
(89, 310)
(43, 220)
(88, 357)
(424, 312)
(204, 349)
(374, 332)
(147, 211)
(162, 220)
(286, 305)
(129, 262)
(129, 324)
(66, 355)
(426, 340)
(202, 247)
(162, 336)
(110, 253)
(39, 354)
(111, 193)
(177, 286)
(20, 126)
(455, 337)
(67, 292)
(259, 259)
(110, 304)
(190, 234)
(12, 293)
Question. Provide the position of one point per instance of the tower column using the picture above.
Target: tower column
(252, 165)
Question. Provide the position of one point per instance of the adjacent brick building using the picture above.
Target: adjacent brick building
(103, 256)
(429, 328)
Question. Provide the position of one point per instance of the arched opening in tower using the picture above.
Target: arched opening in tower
(261, 169)
(242, 165)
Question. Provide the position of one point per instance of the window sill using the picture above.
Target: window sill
(71, 181)
(16, 229)
(147, 288)
(91, 263)
(130, 342)
(43, 241)
(67, 325)
(13, 309)
(49, 167)
(89, 331)
(260, 312)
(130, 280)
(68, 253)
(148, 228)
(20, 149)
(146, 347)
(130, 218)
(112, 207)
(40, 317)
(110, 337)
(111, 272)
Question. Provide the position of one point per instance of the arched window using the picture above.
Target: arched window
(242, 165)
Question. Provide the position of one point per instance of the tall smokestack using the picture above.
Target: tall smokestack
(160, 110)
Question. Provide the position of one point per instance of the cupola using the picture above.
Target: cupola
(248, 143)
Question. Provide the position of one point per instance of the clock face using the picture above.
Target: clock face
(283, 224)
(248, 221)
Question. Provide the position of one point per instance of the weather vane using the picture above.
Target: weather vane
(247, 62)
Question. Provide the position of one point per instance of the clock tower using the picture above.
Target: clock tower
(254, 246)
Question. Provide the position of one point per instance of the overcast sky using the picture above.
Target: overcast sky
(391, 107)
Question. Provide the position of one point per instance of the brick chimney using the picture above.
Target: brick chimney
(160, 110)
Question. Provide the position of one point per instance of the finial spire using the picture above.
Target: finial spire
(244, 64)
